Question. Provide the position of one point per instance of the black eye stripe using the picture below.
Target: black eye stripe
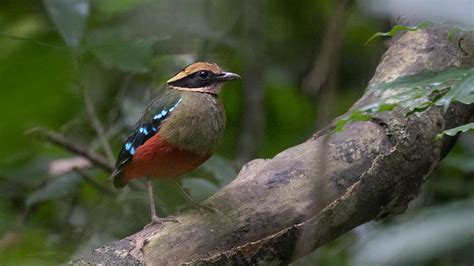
(196, 80)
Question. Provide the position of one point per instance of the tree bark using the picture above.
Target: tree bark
(280, 209)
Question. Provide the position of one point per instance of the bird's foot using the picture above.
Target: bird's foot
(157, 220)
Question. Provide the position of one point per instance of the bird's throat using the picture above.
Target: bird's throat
(213, 89)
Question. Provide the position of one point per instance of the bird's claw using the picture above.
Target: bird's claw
(157, 220)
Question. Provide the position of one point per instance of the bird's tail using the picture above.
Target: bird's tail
(118, 178)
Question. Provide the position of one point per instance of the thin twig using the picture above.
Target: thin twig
(61, 141)
(94, 183)
(329, 49)
(253, 118)
(98, 127)
(36, 42)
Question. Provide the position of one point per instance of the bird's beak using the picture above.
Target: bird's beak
(226, 76)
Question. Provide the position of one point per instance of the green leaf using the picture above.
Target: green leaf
(69, 17)
(396, 29)
(357, 115)
(456, 130)
(118, 52)
(461, 91)
(418, 92)
(57, 188)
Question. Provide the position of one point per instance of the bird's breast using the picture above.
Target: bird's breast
(197, 125)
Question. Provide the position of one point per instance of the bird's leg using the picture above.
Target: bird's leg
(151, 197)
(191, 202)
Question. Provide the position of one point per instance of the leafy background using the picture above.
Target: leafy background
(306, 61)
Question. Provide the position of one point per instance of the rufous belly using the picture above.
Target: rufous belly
(158, 159)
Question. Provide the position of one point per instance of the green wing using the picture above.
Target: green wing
(146, 127)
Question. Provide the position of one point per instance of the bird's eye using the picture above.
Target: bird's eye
(204, 75)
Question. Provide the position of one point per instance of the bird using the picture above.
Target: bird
(178, 130)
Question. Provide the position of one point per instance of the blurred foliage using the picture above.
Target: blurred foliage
(417, 92)
(427, 235)
(51, 51)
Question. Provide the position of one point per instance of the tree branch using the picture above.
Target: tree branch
(63, 142)
(280, 209)
(99, 129)
(326, 61)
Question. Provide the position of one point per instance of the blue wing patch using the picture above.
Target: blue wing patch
(143, 131)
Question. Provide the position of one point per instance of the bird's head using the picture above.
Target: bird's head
(201, 77)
